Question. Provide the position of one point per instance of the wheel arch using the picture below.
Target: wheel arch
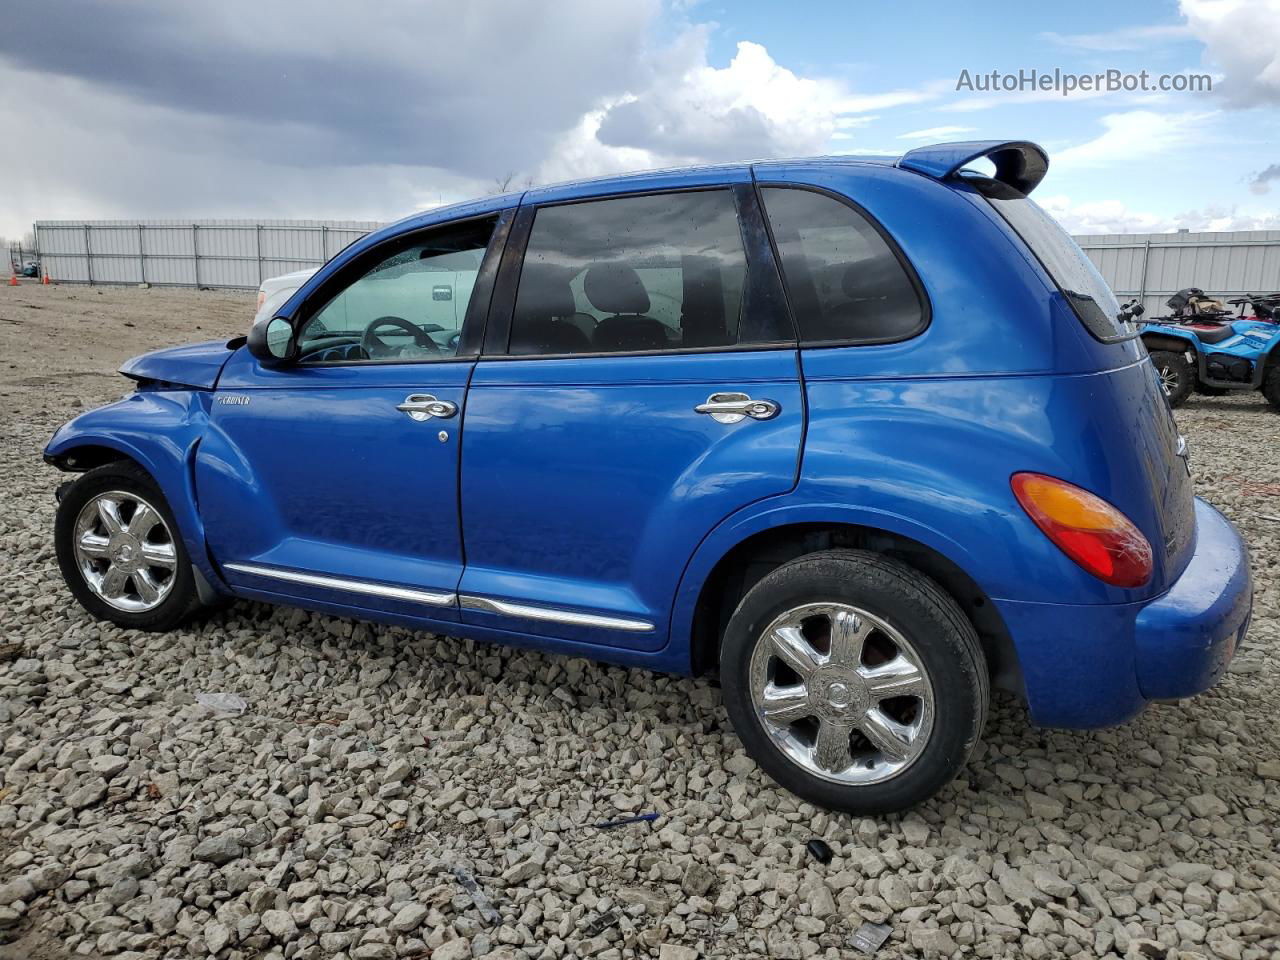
(750, 557)
(86, 455)
(159, 431)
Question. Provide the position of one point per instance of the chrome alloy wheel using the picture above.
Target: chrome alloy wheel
(125, 551)
(841, 693)
(1168, 380)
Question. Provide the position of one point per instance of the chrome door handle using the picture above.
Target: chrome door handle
(423, 406)
(735, 407)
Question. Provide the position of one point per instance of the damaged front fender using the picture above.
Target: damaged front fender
(160, 430)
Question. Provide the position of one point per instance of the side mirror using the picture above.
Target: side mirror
(272, 343)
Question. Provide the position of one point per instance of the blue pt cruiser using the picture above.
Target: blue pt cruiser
(865, 436)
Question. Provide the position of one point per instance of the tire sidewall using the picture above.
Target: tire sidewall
(1271, 385)
(1176, 362)
(947, 656)
(182, 597)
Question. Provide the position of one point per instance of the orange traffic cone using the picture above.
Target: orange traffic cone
(44, 280)
(13, 280)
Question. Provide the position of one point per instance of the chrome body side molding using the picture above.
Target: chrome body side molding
(553, 615)
(435, 598)
(431, 598)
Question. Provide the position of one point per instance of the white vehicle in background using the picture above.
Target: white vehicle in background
(431, 285)
(274, 291)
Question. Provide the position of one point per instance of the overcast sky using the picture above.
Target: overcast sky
(153, 108)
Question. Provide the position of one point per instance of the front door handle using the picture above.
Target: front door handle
(423, 406)
(736, 407)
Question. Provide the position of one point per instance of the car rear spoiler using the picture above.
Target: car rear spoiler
(1019, 163)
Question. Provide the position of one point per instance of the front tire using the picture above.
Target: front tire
(854, 681)
(120, 552)
(1177, 378)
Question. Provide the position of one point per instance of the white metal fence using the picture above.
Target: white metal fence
(1153, 266)
(243, 253)
(190, 253)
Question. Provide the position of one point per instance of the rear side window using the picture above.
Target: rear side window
(1064, 261)
(846, 283)
(630, 275)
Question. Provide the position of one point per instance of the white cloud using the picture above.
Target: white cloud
(579, 153)
(1135, 133)
(936, 133)
(684, 110)
(159, 109)
(1242, 37)
(1113, 216)
(1122, 39)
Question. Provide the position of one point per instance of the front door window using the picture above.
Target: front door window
(410, 305)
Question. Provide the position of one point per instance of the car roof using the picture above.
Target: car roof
(1019, 163)
(638, 180)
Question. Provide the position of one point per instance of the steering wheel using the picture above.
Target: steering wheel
(374, 346)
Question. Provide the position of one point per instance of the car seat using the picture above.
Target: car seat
(540, 325)
(616, 289)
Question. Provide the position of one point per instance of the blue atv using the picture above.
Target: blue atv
(1202, 347)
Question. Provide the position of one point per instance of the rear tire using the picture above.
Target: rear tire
(854, 681)
(1271, 385)
(1177, 377)
(120, 551)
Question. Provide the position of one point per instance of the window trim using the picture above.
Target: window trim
(922, 295)
(497, 341)
(482, 292)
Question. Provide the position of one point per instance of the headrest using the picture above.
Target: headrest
(545, 293)
(615, 288)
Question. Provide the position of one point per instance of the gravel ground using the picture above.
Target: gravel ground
(329, 817)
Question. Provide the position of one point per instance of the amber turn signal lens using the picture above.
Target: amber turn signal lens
(1086, 528)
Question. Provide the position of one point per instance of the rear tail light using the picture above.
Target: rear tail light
(1086, 528)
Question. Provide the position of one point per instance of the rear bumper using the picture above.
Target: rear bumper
(1095, 665)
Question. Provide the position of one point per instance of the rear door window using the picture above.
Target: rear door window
(1073, 272)
(641, 274)
(846, 281)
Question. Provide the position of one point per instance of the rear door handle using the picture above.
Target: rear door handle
(423, 406)
(736, 407)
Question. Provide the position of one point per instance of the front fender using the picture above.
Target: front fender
(160, 430)
(1165, 338)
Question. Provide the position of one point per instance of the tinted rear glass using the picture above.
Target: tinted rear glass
(845, 282)
(632, 275)
(1066, 264)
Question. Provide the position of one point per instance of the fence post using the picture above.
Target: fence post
(195, 253)
(142, 257)
(324, 243)
(1142, 281)
(88, 255)
(258, 235)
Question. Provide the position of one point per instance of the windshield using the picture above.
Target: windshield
(1073, 272)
